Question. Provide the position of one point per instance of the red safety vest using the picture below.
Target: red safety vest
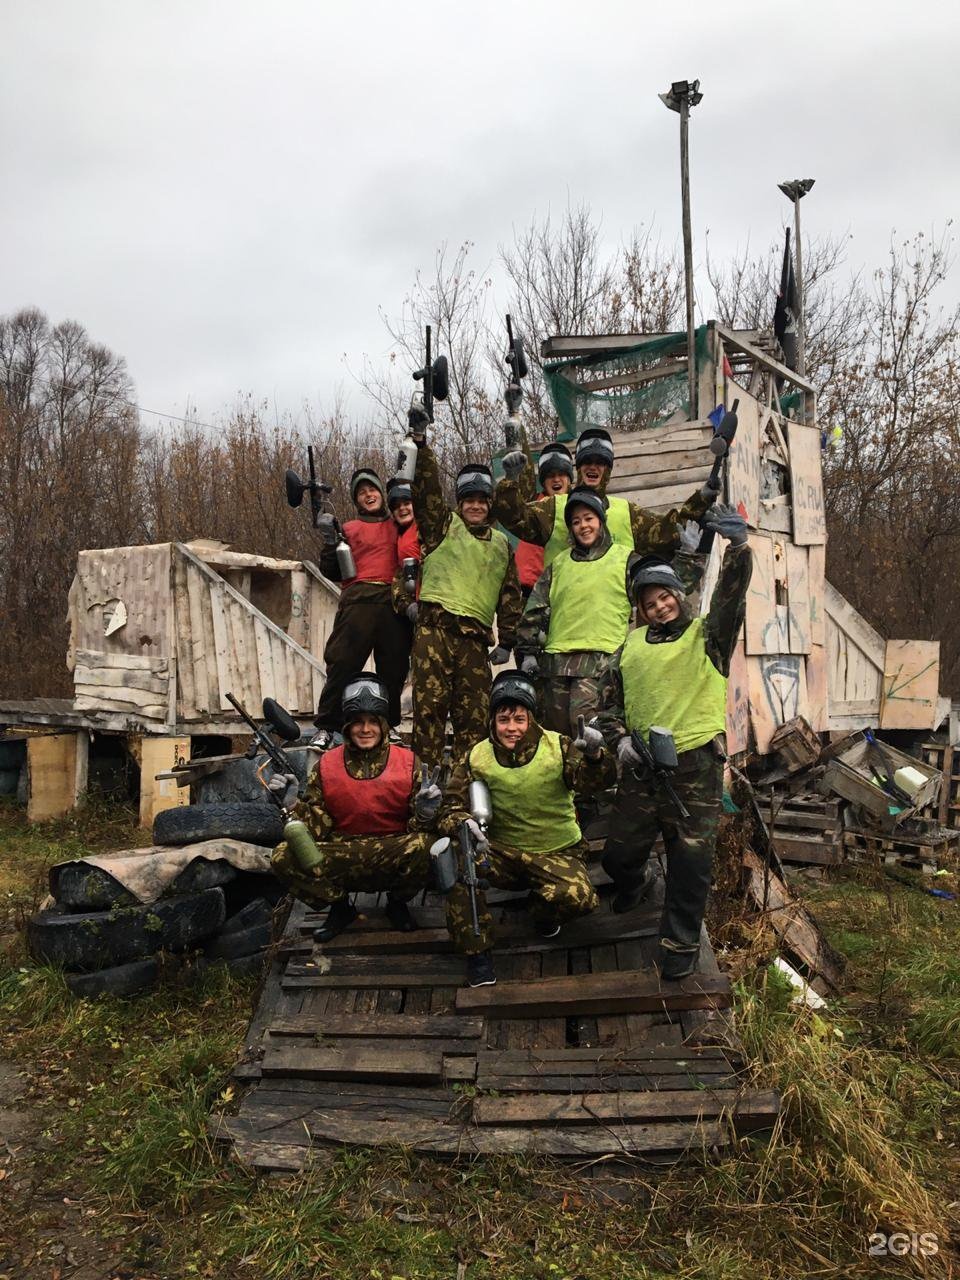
(408, 544)
(528, 558)
(377, 806)
(374, 547)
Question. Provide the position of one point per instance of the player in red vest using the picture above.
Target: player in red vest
(366, 622)
(555, 473)
(370, 819)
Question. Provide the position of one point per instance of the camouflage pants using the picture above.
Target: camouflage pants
(563, 699)
(641, 812)
(451, 675)
(560, 889)
(358, 864)
(364, 624)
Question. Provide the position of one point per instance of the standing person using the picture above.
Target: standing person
(555, 476)
(400, 502)
(577, 615)
(365, 622)
(467, 578)
(369, 820)
(542, 522)
(672, 673)
(534, 841)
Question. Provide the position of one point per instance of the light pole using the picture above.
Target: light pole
(681, 96)
(795, 191)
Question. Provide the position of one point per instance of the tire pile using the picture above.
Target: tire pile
(109, 943)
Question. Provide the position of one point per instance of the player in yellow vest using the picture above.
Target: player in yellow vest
(672, 673)
(542, 522)
(533, 841)
(467, 578)
(577, 615)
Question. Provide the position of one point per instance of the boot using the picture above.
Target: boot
(628, 899)
(398, 913)
(677, 960)
(480, 970)
(340, 916)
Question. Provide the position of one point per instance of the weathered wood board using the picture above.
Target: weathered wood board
(911, 679)
(806, 483)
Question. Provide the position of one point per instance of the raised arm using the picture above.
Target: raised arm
(432, 513)
(529, 521)
(728, 605)
(661, 533)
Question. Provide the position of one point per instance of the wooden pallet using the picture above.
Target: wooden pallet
(806, 827)
(934, 851)
(579, 1050)
(947, 759)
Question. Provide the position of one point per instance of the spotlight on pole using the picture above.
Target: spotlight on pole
(680, 97)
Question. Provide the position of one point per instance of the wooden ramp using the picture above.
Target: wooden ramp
(578, 1051)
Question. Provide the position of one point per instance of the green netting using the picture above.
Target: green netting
(623, 408)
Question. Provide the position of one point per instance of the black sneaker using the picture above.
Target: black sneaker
(398, 913)
(628, 899)
(340, 916)
(548, 928)
(677, 962)
(480, 970)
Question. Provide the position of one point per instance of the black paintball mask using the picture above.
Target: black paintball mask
(513, 687)
(474, 481)
(594, 445)
(398, 491)
(365, 694)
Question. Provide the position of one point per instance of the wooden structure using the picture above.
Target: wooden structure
(946, 758)
(579, 1050)
(805, 651)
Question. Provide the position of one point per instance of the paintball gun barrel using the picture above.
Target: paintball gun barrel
(436, 385)
(660, 757)
(451, 870)
(517, 361)
(319, 506)
(720, 448)
(301, 842)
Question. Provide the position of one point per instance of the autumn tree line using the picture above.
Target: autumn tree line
(80, 469)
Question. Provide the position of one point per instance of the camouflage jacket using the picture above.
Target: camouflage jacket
(433, 518)
(720, 631)
(581, 775)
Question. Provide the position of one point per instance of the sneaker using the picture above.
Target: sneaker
(398, 913)
(322, 739)
(480, 970)
(549, 929)
(677, 962)
(340, 916)
(628, 899)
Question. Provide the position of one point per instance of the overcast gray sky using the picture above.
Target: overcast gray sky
(226, 192)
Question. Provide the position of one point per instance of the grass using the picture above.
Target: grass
(866, 1140)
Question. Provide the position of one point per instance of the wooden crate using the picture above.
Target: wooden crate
(806, 828)
(946, 758)
(935, 851)
(848, 774)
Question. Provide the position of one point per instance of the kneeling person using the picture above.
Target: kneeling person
(533, 841)
(368, 819)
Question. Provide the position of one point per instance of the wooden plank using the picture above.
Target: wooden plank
(762, 630)
(743, 468)
(111, 679)
(854, 625)
(428, 1136)
(159, 754)
(51, 775)
(635, 1078)
(591, 993)
(552, 1032)
(222, 648)
(395, 1062)
(777, 690)
(97, 658)
(816, 561)
(792, 923)
(806, 485)
(264, 661)
(748, 1110)
(797, 848)
(600, 1058)
(816, 672)
(611, 1028)
(734, 338)
(126, 696)
(186, 698)
(400, 1026)
(911, 679)
(197, 607)
(798, 595)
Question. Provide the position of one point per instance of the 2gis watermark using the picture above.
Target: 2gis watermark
(903, 1244)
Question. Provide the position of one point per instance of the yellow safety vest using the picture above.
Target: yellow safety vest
(465, 573)
(589, 606)
(673, 684)
(618, 522)
(533, 810)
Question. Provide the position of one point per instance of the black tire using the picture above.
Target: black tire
(103, 939)
(240, 942)
(202, 873)
(248, 886)
(121, 980)
(191, 823)
(238, 781)
(81, 887)
(259, 911)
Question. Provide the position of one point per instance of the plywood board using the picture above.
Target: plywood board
(159, 755)
(817, 688)
(798, 598)
(806, 485)
(139, 577)
(743, 467)
(911, 678)
(52, 774)
(816, 565)
(763, 626)
(777, 691)
(738, 702)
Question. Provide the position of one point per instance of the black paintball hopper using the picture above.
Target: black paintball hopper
(280, 720)
(441, 379)
(516, 358)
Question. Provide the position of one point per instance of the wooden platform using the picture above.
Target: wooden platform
(578, 1051)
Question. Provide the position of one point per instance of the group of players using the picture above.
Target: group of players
(551, 732)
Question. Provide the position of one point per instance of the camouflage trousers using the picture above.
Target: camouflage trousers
(358, 864)
(451, 676)
(642, 811)
(560, 889)
(562, 699)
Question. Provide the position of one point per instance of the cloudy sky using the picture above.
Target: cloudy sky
(226, 192)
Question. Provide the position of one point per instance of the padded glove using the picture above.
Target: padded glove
(728, 522)
(481, 844)
(513, 463)
(588, 740)
(626, 755)
(499, 656)
(411, 611)
(530, 666)
(328, 529)
(429, 798)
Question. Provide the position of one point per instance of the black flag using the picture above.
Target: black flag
(785, 312)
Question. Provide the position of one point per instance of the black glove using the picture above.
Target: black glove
(728, 522)
(710, 487)
(429, 798)
(513, 463)
(499, 656)
(530, 666)
(328, 529)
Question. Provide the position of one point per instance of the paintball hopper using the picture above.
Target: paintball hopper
(516, 357)
(296, 488)
(663, 748)
(443, 862)
(280, 720)
(723, 436)
(440, 376)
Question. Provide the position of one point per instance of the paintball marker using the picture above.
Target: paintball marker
(319, 493)
(436, 386)
(517, 360)
(660, 757)
(449, 870)
(719, 447)
(284, 726)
